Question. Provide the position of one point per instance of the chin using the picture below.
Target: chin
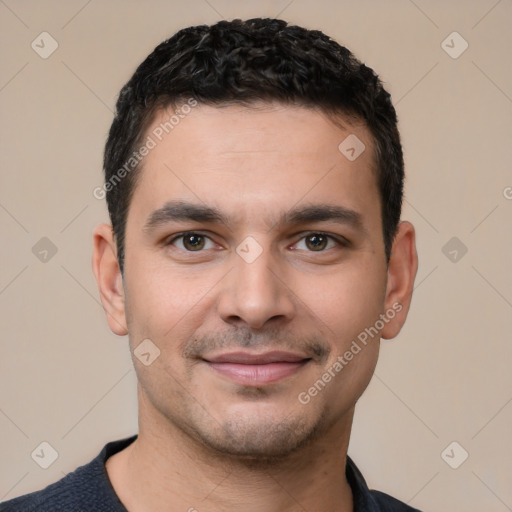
(260, 442)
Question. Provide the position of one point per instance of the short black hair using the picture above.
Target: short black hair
(244, 62)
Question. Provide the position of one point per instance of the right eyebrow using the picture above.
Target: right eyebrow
(181, 210)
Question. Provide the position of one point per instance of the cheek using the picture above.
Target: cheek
(346, 303)
(158, 299)
(166, 308)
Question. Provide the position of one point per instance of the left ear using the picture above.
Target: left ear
(402, 267)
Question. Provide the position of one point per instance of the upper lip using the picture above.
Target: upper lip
(263, 358)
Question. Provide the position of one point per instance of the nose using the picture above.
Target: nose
(256, 292)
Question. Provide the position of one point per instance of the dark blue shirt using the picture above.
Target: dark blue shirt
(88, 489)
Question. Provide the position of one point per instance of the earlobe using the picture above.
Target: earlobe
(402, 268)
(109, 279)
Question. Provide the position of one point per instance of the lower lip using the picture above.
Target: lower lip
(257, 374)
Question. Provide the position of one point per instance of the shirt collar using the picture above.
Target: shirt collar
(362, 498)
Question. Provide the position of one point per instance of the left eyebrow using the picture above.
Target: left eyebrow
(182, 210)
(322, 213)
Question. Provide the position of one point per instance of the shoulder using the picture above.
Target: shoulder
(62, 495)
(371, 500)
(387, 503)
(86, 488)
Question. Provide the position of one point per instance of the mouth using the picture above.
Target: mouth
(257, 369)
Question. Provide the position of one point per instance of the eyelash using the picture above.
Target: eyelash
(339, 241)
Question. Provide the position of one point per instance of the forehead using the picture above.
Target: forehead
(246, 127)
(255, 160)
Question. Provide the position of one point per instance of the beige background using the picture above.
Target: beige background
(67, 380)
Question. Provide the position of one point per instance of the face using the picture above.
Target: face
(255, 264)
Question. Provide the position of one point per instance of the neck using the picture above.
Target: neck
(165, 469)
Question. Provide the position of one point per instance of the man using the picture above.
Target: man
(256, 257)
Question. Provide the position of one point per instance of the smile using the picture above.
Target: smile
(257, 369)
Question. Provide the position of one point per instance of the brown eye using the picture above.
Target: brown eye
(316, 242)
(193, 242)
(190, 242)
(319, 242)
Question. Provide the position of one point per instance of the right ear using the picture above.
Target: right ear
(109, 279)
